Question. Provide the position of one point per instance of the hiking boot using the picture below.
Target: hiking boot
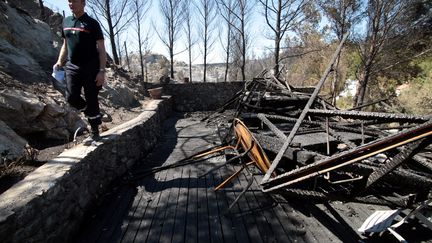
(94, 137)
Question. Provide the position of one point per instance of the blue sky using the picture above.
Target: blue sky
(258, 45)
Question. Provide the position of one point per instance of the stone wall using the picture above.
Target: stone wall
(49, 204)
(189, 97)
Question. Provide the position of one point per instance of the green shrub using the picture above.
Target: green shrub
(344, 102)
(417, 98)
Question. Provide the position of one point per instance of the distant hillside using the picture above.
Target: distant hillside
(158, 65)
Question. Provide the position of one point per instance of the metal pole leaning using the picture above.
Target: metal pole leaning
(303, 114)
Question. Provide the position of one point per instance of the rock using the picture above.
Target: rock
(20, 64)
(25, 29)
(31, 7)
(27, 114)
(52, 109)
(12, 146)
(119, 95)
(19, 109)
(23, 55)
(59, 122)
(58, 134)
(73, 120)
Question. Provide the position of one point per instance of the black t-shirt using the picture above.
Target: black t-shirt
(81, 35)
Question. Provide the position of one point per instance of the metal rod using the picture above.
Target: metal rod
(303, 114)
(344, 159)
(233, 176)
(327, 128)
(250, 182)
(319, 172)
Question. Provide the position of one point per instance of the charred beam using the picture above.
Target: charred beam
(281, 135)
(403, 177)
(299, 155)
(371, 115)
(423, 162)
(268, 83)
(349, 157)
(400, 158)
(316, 123)
(325, 197)
(271, 126)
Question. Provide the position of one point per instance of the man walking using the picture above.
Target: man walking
(84, 52)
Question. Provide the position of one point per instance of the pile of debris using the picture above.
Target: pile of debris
(317, 151)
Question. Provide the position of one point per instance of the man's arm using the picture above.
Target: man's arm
(100, 78)
(102, 53)
(62, 56)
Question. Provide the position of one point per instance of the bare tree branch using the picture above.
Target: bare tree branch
(281, 16)
(172, 12)
(116, 19)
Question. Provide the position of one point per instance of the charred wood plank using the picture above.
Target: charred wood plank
(423, 162)
(275, 87)
(371, 115)
(282, 136)
(316, 123)
(401, 176)
(298, 155)
(349, 157)
(285, 85)
(281, 98)
(413, 179)
(375, 122)
(403, 202)
(268, 108)
(400, 158)
(325, 197)
(271, 126)
(304, 89)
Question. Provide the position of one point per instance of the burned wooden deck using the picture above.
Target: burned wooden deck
(177, 205)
